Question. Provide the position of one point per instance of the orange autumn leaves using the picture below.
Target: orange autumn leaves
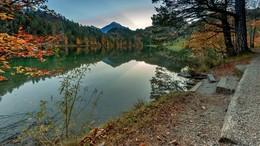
(212, 38)
(209, 38)
(22, 45)
(4, 16)
(256, 24)
(30, 71)
(9, 7)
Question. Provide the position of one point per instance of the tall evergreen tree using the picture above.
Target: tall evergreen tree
(240, 27)
(211, 12)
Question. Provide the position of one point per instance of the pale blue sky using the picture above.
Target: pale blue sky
(131, 13)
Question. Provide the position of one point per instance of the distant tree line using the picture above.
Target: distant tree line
(42, 23)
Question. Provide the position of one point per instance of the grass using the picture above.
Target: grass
(246, 58)
(176, 45)
(140, 103)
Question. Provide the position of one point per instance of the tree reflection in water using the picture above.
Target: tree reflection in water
(165, 82)
(61, 119)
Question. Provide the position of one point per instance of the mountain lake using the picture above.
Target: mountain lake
(116, 81)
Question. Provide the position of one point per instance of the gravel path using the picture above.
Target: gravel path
(242, 121)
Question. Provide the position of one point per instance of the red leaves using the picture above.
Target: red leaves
(97, 135)
(2, 78)
(28, 19)
(226, 67)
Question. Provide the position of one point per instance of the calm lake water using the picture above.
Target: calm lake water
(121, 80)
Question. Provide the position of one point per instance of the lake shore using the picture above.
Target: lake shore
(176, 119)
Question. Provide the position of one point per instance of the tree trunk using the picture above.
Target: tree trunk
(253, 40)
(227, 32)
(252, 36)
(227, 36)
(240, 27)
(253, 28)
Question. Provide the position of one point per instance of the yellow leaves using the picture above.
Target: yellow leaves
(20, 41)
(5, 65)
(1, 71)
(30, 74)
(3, 36)
(19, 69)
(42, 60)
(23, 44)
(254, 23)
(207, 40)
(8, 1)
(4, 16)
(27, 71)
(42, 128)
(2, 58)
(257, 41)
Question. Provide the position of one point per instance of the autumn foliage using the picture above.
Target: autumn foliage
(255, 24)
(22, 45)
(209, 38)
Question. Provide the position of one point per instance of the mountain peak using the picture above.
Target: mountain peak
(111, 26)
(114, 23)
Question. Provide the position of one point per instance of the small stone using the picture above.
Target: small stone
(203, 107)
(199, 134)
(101, 144)
(174, 142)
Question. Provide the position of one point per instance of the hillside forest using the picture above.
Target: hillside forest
(212, 29)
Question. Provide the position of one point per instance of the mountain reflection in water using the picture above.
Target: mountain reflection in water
(122, 77)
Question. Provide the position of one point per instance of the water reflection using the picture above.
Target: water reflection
(165, 82)
(68, 60)
(66, 116)
(124, 78)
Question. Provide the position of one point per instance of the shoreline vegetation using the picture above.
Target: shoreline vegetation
(167, 120)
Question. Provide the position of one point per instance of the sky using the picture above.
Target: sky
(130, 13)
